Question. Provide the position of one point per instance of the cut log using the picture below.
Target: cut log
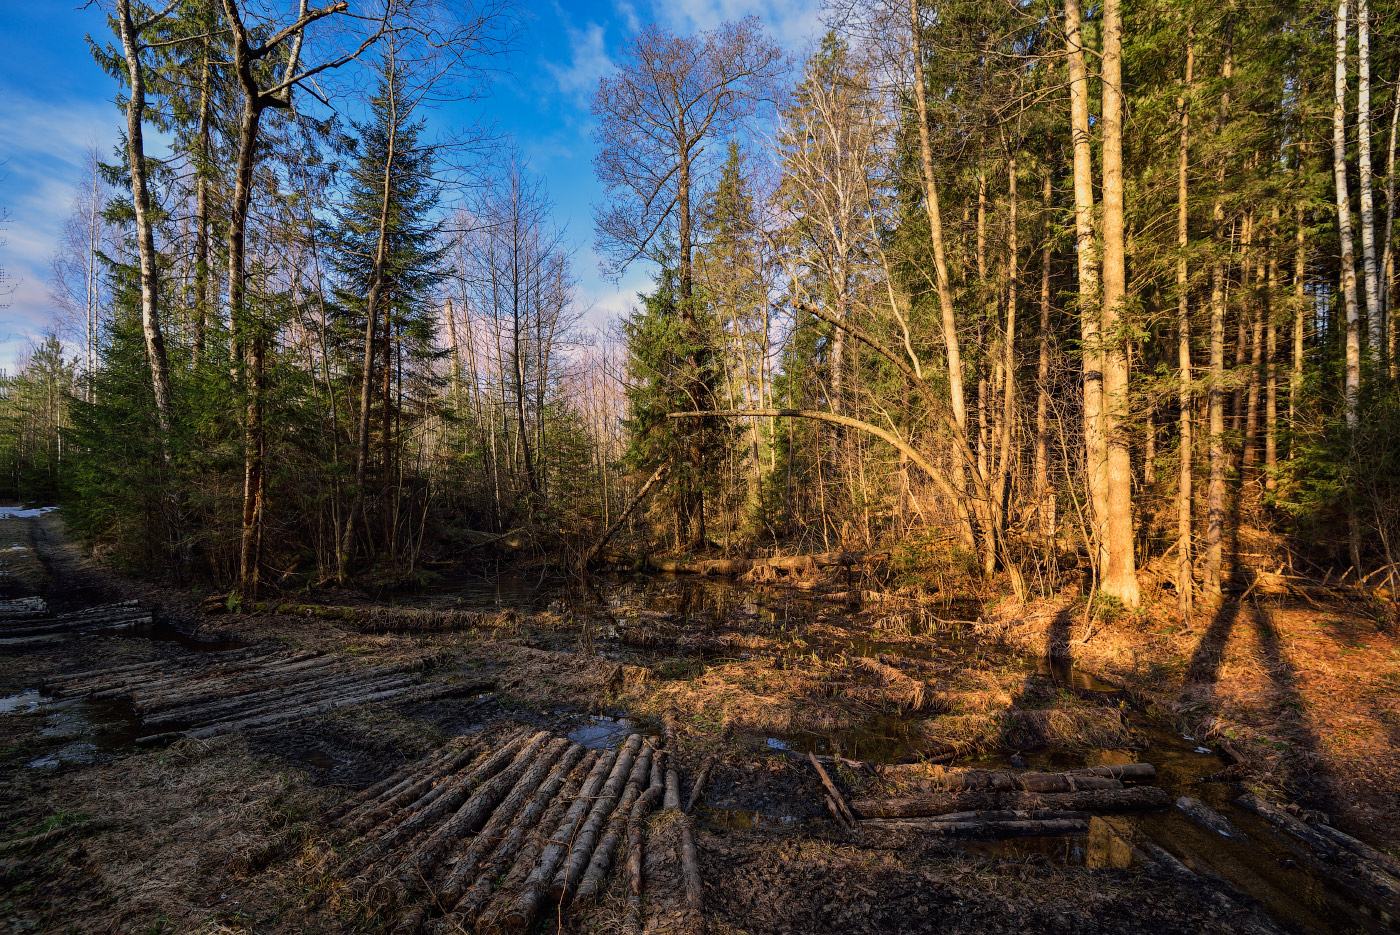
(983, 829)
(1009, 814)
(609, 773)
(515, 816)
(521, 845)
(633, 769)
(600, 862)
(419, 784)
(1387, 863)
(673, 778)
(535, 759)
(636, 836)
(385, 786)
(1204, 815)
(438, 800)
(697, 790)
(517, 907)
(403, 694)
(941, 803)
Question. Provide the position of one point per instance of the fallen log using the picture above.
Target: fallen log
(847, 818)
(598, 865)
(697, 790)
(385, 786)
(673, 779)
(580, 857)
(446, 795)
(941, 803)
(515, 816)
(517, 781)
(1208, 817)
(418, 784)
(636, 827)
(518, 909)
(1014, 828)
(426, 694)
(516, 854)
(730, 567)
(657, 476)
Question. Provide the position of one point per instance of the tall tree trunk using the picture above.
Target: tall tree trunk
(1375, 314)
(1270, 360)
(1120, 577)
(203, 293)
(1044, 491)
(346, 538)
(145, 230)
(1295, 377)
(1215, 394)
(1183, 331)
(1352, 380)
(948, 318)
(1095, 444)
(1387, 271)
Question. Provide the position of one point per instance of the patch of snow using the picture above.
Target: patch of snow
(17, 512)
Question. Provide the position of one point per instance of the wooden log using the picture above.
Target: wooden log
(517, 780)
(438, 800)
(982, 829)
(847, 818)
(636, 828)
(421, 785)
(520, 847)
(521, 913)
(1203, 814)
(403, 694)
(600, 862)
(277, 699)
(690, 866)
(972, 780)
(673, 779)
(1294, 826)
(1009, 814)
(516, 908)
(697, 790)
(515, 816)
(385, 786)
(1386, 862)
(593, 550)
(632, 768)
(438, 797)
(941, 803)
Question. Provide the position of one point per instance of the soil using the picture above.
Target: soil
(226, 835)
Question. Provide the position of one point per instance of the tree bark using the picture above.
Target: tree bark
(1375, 314)
(1215, 394)
(1352, 379)
(1183, 331)
(1120, 577)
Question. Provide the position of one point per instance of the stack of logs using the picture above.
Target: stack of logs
(204, 695)
(486, 833)
(28, 620)
(1005, 803)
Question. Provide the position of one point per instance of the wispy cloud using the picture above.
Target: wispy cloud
(43, 153)
(794, 23)
(588, 60)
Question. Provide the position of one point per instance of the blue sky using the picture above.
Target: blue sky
(55, 104)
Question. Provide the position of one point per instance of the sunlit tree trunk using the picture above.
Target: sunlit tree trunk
(1120, 575)
(1095, 446)
(1183, 332)
(1215, 394)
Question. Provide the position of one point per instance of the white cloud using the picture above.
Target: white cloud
(588, 60)
(44, 151)
(794, 23)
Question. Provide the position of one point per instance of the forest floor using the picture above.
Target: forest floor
(227, 834)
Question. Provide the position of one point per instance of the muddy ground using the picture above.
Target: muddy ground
(226, 835)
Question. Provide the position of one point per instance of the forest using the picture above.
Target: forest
(1001, 466)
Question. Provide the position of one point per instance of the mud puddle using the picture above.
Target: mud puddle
(76, 732)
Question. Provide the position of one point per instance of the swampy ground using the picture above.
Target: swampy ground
(1300, 704)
